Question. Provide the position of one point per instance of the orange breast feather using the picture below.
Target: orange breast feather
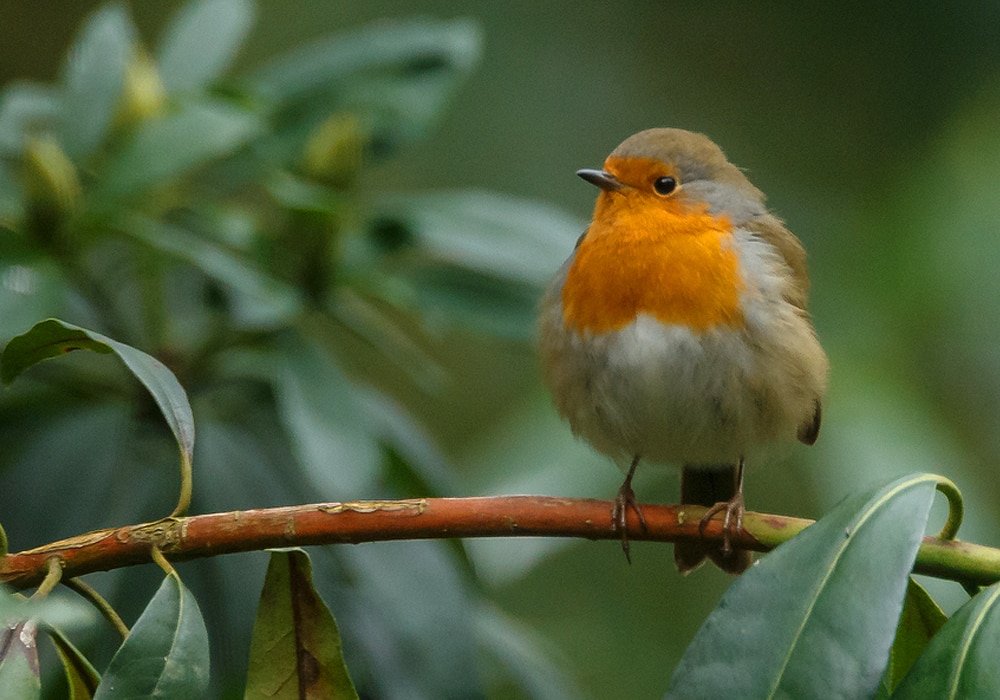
(658, 257)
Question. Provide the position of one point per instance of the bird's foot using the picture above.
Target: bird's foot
(732, 521)
(619, 514)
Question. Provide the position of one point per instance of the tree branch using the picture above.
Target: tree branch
(435, 518)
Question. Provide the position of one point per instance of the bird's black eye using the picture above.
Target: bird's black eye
(664, 185)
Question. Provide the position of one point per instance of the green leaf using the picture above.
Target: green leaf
(20, 619)
(165, 149)
(523, 654)
(81, 676)
(394, 76)
(258, 300)
(447, 295)
(474, 258)
(52, 338)
(324, 418)
(25, 108)
(201, 41)
(421, 621)
(816, 617)
(295, 651)
(920, 621)
(65, 435)
(93, 77)
(961, 660)
(45, 340)
(380, 328)
(166, 653)
(301, 194)
(508, 238)
(398, 430)
(53, 611)
(19, 674)
(416, 45)
(249, 456)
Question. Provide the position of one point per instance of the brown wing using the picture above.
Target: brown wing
(772, 230)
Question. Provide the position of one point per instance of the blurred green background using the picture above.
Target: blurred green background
(873, 130)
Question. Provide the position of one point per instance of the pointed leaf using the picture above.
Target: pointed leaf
(817, 616)
(45, 340)
(81, 677)
(476, 258)
(448, 295)
(399, 430)
(389, 47)
(166, 653)
(295, 650)
(961, 660)
(93, 77)
(920, 621)
(506, 237)
(258, 300)
(201, 42)
(167, 148)
(431, 598)
(52, 338)
(393, 76)
(19, 674)
(325, 419)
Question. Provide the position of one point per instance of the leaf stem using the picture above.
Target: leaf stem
(161, 561)
(98, 601)
(53, 573)
(187, 487)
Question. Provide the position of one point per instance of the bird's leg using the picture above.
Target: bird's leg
(624, 499)
(733, 509)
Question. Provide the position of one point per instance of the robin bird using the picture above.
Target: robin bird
(678, 331)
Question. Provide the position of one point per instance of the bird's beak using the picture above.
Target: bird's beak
(602, 178)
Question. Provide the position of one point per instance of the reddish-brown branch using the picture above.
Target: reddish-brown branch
(372, 521)
(362, 521)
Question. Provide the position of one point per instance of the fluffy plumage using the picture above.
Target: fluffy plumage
(678, 331)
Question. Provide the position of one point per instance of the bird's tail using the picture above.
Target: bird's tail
(707, 485)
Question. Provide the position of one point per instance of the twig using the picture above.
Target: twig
(434, 518)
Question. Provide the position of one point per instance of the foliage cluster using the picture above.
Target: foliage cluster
(218, 223)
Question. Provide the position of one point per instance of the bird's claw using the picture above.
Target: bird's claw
(619, 515)
(732, 521)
